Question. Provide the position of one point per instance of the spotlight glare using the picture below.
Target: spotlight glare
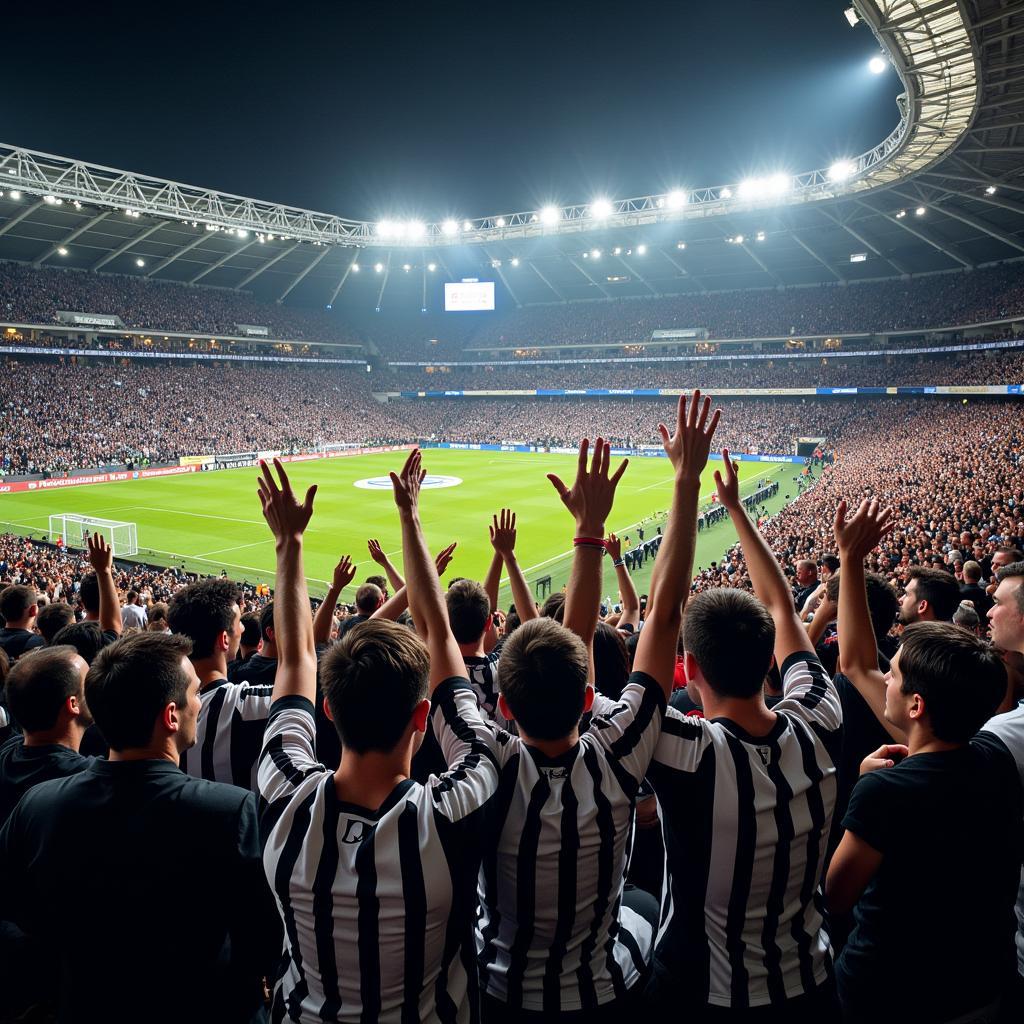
(549, 215)
(991, 190)
(386, 229)
(601, 209)
(760, 236)
(407, 267)
(415, 229)
(14, 194)
(680, 246)
(431, 267)
(676, 199)
(500, 222)
(242, 233)
(62, 251)
(617, 251)
(467, 225)
(355, 268)
(725, 193)
(641, 250)
(140, 262)
(919, 212)
(841, 170)
(379, 267)
(450, 227)
(514, 261)
(877, 65)
(595, 254)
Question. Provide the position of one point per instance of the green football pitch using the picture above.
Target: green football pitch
(209, 522)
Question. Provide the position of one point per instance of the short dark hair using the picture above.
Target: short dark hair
(543, 678)
(40, 684)
(939, 588)
(89, 593)
(131, 682)
(16, 600)
(554, 607)
(53, 618)
(469, 609)
(961, 678)
(85, 637)
(611, 661)
(378, 581)
(250, 630)
(202, 611)
(372, 680)
(883, 604)
(368, 598)
(972, 571)
(731, 635)
(831, 562)
(1013, 571)
(158, 611)
(267, 622)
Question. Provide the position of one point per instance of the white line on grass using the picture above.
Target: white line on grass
(237, 547)
(198, 515)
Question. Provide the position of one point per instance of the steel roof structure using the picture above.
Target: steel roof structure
(940, 193)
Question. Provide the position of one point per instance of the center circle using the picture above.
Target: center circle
(430, 482)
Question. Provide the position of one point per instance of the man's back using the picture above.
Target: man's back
(166, 867)
(16, 642)
(133, 616)
(746, 821)
(23, 767)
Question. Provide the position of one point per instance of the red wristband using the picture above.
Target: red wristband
(593, 542)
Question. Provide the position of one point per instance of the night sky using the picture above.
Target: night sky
(451, 108)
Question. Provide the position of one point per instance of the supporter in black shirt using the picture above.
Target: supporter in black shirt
(261, 667)
(170, 864)
(19, 609)
(972, 590)
(369, 598)
(53, 618)
(247, 646)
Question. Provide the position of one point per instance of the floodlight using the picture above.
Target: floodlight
(900, 214)
(751, 188)
(450, 227)
(378, 267)
(500, 222)
(431, 267)
(415, 229)
(231, 231)
(760, 236)
(386, 229)
(617, 251)
(841, 170)
(140, 263)
(919, 212)
(50, 199)
(601, 209)
(725, 193)
(595, 254)
(851, 16)
(680, 246)
(77, 205)
(877, 65)
(270, 238)
(549, 215)
(407, 267)
(514, 261)
(739, 239)
(641, 250)
(14, 194)
(991, 190)
(676, 199)
(467, 225)
(858, 257)
(778, 184)
(495, 264)
(62, 251)
(242, 233)
(355, 268)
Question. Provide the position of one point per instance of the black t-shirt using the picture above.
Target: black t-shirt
(350, 623)
(23, 767)
(972, 592)
(934, 930)
(133, 829)
(257, 670)
(17, 642)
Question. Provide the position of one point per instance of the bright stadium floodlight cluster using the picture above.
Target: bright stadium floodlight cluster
(773, 186)
(842, 170)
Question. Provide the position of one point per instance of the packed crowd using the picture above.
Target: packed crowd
(427, 813)
(998, 366)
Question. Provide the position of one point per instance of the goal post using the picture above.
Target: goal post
(72, 529)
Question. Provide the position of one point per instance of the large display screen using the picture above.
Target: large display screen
(461, 296)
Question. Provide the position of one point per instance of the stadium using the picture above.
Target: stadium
(176, 360)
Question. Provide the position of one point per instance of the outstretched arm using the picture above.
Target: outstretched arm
(630, 599)
(397, 603)
(101, 558)
(503, 538)
(426, 602)
(590, 502)
(288, 518)
(857, 537)
(766, 574)
(344, 574)
(378, 555)
(687, 447)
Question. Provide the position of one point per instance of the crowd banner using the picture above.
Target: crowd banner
(937, 389)
(66, 316)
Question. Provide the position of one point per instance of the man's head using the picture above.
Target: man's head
(250, 640)
(966, 617)
(85, 637)
(972, 572)
(543, 680)
(375, 685)
(806, 572)
(883, 603)
(469, 610)
(1005, 556)
(728, 636)
(89, 594)
(369, 597)
(19, 606)
(554, 607)
(144, 693)
(46, 690)
(1006, 616)
(132, 598)
(53, 618)
(267, 624)
(381, 582)
(829, 566)
(931, 595)
(945, 680)
(207, 613)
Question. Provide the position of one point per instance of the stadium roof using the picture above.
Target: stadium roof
(942, 192)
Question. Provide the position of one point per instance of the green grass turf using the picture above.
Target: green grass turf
(211, 521)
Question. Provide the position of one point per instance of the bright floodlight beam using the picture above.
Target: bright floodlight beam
(877, 65)
(676, 199)
(549, 215)
(841, 170)
(450, 227)
(601, 209)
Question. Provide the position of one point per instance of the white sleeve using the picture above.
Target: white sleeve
(630, 728)
(1009, 728)
(289, 749)
(253, 702)
(684, 739)
(809, 693)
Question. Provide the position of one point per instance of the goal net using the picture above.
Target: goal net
(73, 529)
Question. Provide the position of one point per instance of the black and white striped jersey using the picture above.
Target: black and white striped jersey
(229, 733)
(746, 822)
(552, 933)
(483, 677)
(377, 904)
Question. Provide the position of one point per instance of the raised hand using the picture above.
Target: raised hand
(344, 573)
(285, 515)
(859, 535)
(883, 757)
(444, 558)
(728, 486)
(593, 491)
(688, 447)
(614, 547)
(407, 483)
(503, 532)
(101, 557)
(376, 552)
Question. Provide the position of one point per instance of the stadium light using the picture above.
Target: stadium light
(514, 261)
(739, 239)
(77, 205)
(386, 229)
(760, 236)
(140, 262)
(900, 214)
(595, 254)
(416, 229)
(450, 228)
(467, 225)
(62, 251)
(379, 267)
(15, 194)
(851, 17)
(617, 251)
(500, 222)
(680, 246)
(676, 199)
(407, 267)
(841, 170)
(877, 65)
(431, 267)
(242, 233)
(991, 190)
(355, 268)
(601, 209)
(725, 193)
(920, 211)
(641, 250)
(549, 215)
